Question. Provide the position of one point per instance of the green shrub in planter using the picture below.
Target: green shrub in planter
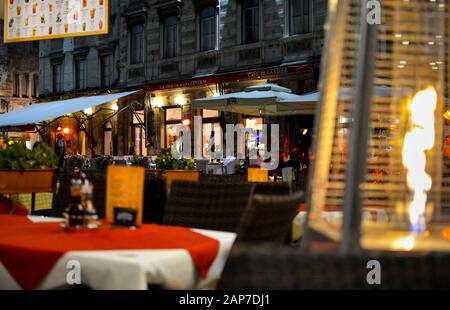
(102, 162)
(138, 161)
(165, 161)
(15, 155)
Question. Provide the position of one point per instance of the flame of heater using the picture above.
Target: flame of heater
(418, 140)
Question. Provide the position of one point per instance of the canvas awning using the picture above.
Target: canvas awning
(266, 99)
(38, 113)
(272, 100)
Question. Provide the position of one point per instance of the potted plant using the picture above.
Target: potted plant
(74, 162)
(139, 161)
(102, 162)
(174, 169)
(26, 171)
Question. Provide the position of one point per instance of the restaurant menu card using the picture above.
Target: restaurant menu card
(28, 20)
(124, 190)
(257, 175)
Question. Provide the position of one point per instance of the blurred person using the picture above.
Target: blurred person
(60, 149)
(93, 148)
(131, 151)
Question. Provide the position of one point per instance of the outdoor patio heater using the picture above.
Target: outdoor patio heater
(380, 178)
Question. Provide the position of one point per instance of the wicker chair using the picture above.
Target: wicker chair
(201, 164)
(231, 179)
(265, 267)
(268, 218)
(273, 188)
(215, 206)
(269, 188)
(61, 197)
(155, 197)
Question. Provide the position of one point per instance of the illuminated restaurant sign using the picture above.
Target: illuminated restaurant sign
(30, 20)
(234, 76)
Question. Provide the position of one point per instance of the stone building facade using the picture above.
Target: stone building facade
(19, 80)
(180, 50)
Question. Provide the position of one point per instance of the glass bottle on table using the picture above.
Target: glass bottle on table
(90, 214)
(74, 214)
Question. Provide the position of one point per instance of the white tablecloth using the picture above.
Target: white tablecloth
(133, 270)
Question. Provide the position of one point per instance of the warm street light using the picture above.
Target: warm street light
(447, 115)
(114, 106)
(179, 100)
(157, 102)
(88, 111)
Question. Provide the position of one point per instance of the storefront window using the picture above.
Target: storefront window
(107, 140)
(173, 114)
(210, 114)
(212, 139)
(212, 133)
(139, 136)
(173, 119)
(254, 142)
(171, 135)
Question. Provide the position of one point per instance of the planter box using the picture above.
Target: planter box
(26, 181)
(184, 175)
(153, 171)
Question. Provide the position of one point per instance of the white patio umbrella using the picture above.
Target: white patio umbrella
(266, 99)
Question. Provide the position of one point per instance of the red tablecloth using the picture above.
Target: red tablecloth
(29, 251)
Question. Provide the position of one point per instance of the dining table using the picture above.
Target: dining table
(37, 253)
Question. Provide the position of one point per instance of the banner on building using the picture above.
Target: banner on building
(30, 20)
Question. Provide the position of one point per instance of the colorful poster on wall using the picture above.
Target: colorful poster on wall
(30, 20)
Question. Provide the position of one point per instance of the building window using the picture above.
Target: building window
(212, 133)
(300, 16)
(26, 86)
(57, 78)
(139, 136)
(137, 44)
(80, 74)
(254, 142)
(250, 21)
(173, 119)
(106, 70)
(208, 28)
(35, 86)
(170, 36)
(16, 86)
